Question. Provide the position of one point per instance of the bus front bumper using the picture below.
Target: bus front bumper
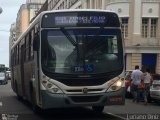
(50, 100)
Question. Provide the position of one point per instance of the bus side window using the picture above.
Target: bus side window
(31, 46)
(36, 42)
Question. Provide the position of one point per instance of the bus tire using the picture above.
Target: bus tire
(36, 109)
(16, 89)
(98, 109)
(19, 97)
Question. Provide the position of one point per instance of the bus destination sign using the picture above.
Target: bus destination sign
(80, 19)
(74, 20)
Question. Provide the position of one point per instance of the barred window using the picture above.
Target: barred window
(153, 27)
(149, 27)
(124, 27)
(145, 25)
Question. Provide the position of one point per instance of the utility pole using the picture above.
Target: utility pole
(1, 10)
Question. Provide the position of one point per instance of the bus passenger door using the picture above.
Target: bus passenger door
(22, 69)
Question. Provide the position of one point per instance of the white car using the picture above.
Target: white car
(3, 79)
(155, 88)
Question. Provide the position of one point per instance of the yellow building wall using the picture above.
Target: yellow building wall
(132, 60)
(25, 20)
(128, 61)
(136, 60)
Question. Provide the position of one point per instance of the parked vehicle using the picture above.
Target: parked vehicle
(8, 74)
(155, 88)
(3, 79)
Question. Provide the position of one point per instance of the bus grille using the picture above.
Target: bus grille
(89, 90)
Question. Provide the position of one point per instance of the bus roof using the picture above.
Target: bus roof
(78, 10)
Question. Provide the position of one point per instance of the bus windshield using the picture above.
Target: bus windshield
(79, 51)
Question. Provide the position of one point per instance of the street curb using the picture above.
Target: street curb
(123, 118)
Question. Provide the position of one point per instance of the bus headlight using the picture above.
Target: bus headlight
(116, 85)
(51, 87)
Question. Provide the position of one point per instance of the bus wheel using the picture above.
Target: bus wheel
(16, 89)
(36, 109)
(98, 109)
(19, 97)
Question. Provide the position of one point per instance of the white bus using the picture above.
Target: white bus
(70, 58)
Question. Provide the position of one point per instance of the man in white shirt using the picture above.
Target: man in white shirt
(136, 77)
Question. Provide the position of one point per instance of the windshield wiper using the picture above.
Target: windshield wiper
(69, 37)
(78, 45)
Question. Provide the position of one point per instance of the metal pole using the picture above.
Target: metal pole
(1, 10)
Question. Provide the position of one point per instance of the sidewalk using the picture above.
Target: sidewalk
(134, 108)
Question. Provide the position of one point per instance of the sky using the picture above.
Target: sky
(7, 17)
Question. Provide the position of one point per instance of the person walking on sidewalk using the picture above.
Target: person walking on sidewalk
(147, 82)
(136, 77)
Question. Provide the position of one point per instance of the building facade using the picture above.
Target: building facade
(140, 27)
(12, 38)
(26, 13)
(35, 1)
(141, 30)
(22, 20)
(24, 16)
(76, 4)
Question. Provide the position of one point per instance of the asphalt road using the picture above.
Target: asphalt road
(11, 108)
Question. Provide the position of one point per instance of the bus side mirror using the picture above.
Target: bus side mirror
(36, 43)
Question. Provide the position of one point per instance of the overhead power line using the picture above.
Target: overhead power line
(5, 30)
